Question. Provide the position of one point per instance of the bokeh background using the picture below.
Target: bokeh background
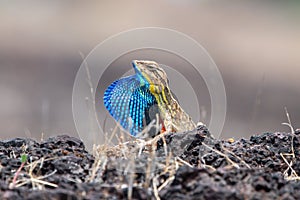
(255, 44)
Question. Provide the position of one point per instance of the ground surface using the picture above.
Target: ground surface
(181, 166)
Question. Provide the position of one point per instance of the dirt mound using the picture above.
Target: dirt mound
(191, 165)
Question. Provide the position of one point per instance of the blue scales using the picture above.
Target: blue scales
(129, 100)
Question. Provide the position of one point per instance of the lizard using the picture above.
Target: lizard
(132, 100)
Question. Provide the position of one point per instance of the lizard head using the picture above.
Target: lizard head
(151, 72)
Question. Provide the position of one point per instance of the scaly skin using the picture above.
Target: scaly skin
(174, 118)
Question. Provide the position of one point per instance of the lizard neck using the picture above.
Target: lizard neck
(174, 117)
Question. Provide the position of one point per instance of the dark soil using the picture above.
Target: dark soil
(189, 165)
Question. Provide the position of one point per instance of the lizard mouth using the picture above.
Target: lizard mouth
(141, 64)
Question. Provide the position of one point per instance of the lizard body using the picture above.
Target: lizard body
(130, 100)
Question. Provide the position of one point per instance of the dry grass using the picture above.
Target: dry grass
(155, 171)
(290, 156)
(29, 177)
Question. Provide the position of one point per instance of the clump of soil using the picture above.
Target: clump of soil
(191, 165)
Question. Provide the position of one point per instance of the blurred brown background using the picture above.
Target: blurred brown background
(255, 45)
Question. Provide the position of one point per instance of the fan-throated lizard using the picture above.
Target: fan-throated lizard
(133, 101)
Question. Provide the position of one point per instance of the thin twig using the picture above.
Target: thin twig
(170, 179)
(155, 190)
(222, 154)
(17, 174)
(184, 162)
(240, 159)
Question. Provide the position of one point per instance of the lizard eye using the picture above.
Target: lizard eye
(151, 67)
